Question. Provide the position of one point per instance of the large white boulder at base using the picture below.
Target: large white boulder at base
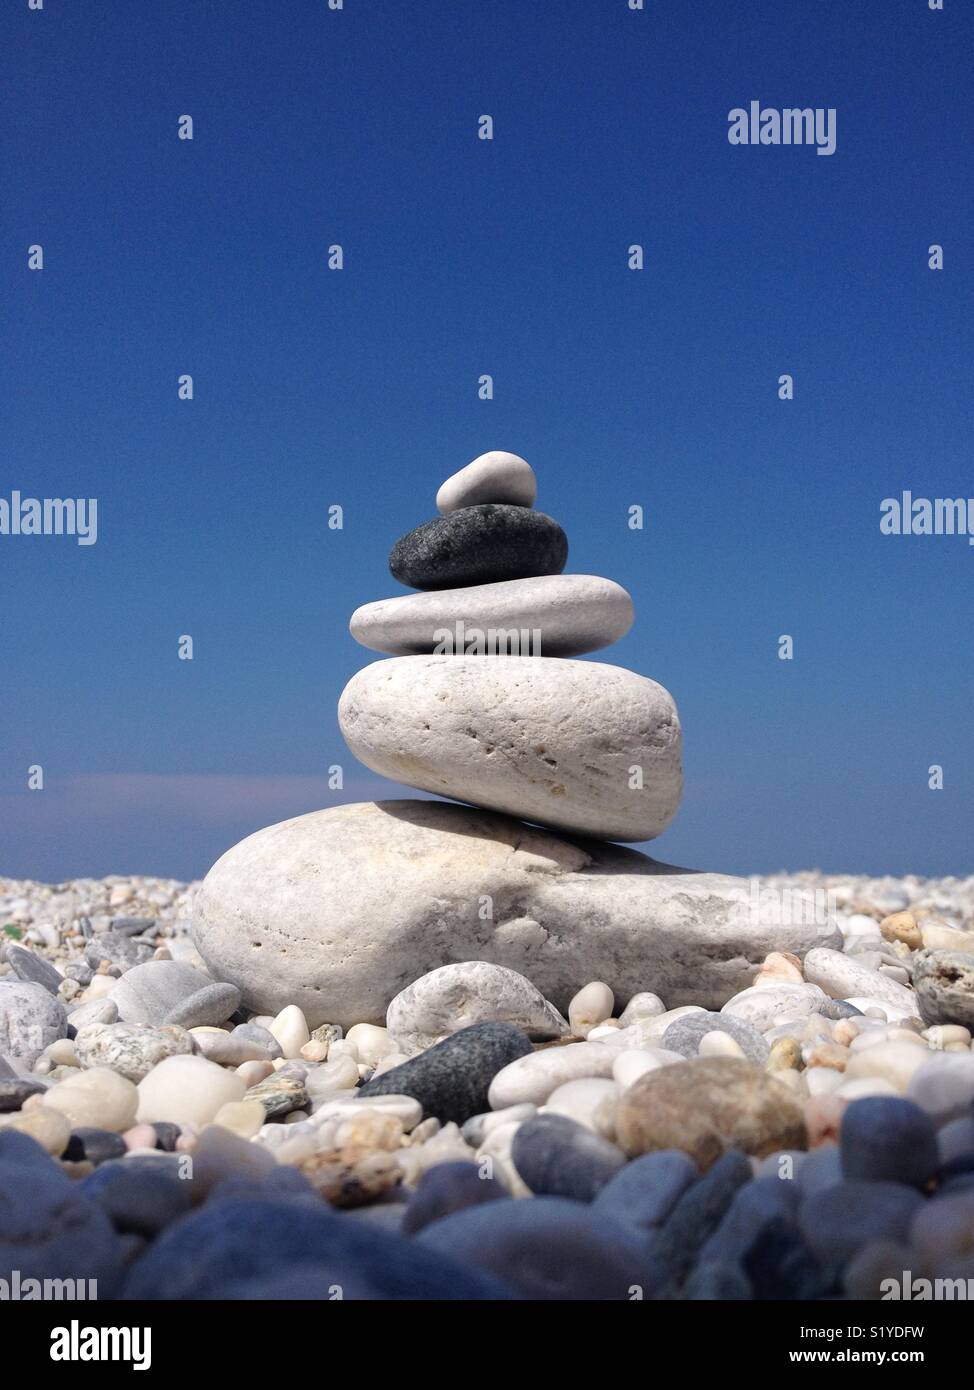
(340, 910)
(577, 745)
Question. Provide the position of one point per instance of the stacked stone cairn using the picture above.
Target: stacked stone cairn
(479, 698)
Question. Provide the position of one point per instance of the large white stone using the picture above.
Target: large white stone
(577, 745)
(550, 615)
(340, 910)
(496, 476)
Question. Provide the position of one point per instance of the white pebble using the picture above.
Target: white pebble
(718, 1044)
(590, 1006)
(340, 1075)
(186, 1090)
(590, 1102)
(534, 1077)
(371, 1042)
(291, 1030)
(641, 1006)
(99, 1098)
(633, 1062)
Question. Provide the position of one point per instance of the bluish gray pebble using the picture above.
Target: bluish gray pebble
(712, 1281)
(837, 1221)
(49, 1228)
(755, 1205)
(838, 1008)
(233, 1241)
(446, 1188)
(546, 1248)
(696, 1215)
(645, 1192)
(557, 1157)
(885, 1138)
(94, 1145)
(141, 1195)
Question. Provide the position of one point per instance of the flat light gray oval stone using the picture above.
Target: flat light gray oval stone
(167, 991)
(28, 965)
(340, 910)
(547, 740)
(550, 615)
(684, 1035)
(492, 477)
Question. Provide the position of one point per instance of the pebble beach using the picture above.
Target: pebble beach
(485, 1147)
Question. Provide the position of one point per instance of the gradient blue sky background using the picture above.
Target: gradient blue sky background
(314, 387)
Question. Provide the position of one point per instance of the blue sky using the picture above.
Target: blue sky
(313, 387)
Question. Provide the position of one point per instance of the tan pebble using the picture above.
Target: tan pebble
(161, 954)
(353, 1176)
(50, 1129)
(902, 926)
(62, 1053)
(98, 1097)
(785, 1055)
(371, 1130)
(253, 1072)
(101, 985)
(939, 936)
(315, 1051)
(823, 1119)
(707, 1106)
(294, 1117)
(241, 1117)
(792, 1080)
(828, 1055)
(845, 1031)
(779, 965)
(945, 1035)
